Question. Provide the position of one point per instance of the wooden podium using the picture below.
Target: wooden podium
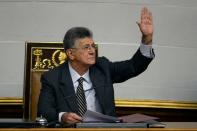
(170, 126)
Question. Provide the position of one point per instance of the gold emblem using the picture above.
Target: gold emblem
(58, 57)
(44, 59)
(38, 63)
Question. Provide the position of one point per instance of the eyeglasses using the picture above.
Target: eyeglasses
(86, 47)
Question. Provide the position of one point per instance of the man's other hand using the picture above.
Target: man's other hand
(71, 118)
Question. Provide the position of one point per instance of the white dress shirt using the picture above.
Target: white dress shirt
(90, 94)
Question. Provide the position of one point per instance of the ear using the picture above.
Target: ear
(70, 55)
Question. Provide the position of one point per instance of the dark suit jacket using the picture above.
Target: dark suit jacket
(58, 95)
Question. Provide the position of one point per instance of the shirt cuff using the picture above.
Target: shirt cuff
(147, 50)
(60, 116)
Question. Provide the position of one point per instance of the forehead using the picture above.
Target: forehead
(84, 41)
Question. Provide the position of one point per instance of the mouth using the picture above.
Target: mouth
(92, 58)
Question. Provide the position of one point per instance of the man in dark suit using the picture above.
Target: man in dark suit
(60, 99)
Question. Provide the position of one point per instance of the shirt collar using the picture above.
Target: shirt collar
(75, 76)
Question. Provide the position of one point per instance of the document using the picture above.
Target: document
(91, 116)
(93, 119)
(137, 118)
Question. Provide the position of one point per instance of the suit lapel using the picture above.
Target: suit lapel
(98, 82)
(67, 88)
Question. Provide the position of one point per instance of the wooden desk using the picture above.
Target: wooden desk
(181, 125)
(170, 126)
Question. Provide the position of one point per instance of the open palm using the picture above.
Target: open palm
(146, 23)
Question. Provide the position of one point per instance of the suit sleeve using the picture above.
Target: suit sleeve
(46, 104)
(124, 70)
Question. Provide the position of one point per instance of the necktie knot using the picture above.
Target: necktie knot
(80, 80)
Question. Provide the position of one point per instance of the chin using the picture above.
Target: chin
(91, 62)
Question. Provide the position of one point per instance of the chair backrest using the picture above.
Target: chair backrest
(40, 57)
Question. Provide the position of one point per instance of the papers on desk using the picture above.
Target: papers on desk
(91, 116)
(93, 119)
(137, 118)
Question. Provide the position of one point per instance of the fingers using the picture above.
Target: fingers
(71, 118)
(146, 25)
(139, 24)
(146, 16)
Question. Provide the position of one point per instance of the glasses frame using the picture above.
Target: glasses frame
(86, 47)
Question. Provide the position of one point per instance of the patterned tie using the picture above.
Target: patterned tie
(81, 100)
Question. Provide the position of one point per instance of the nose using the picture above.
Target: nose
(92, 50)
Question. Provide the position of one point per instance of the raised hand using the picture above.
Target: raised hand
(146, 26)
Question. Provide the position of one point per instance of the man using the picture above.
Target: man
(85, 82)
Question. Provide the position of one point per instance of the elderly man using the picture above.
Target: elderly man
(85, 81)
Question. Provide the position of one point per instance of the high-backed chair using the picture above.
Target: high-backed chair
(40, 57)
